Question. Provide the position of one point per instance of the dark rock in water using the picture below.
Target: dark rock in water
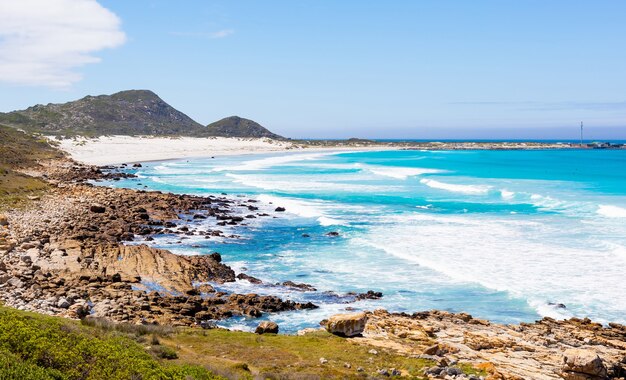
(98, 209)
(280, 209)
(302, 287)
(137, 165)
(306, 235)
(199, 216)
(252, 280)
(557, 305)
(216, 256)
(370, 295)
(266, 327)
(333, 233)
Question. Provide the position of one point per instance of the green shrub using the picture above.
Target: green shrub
(40, 347)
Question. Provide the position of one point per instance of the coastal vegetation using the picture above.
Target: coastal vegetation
(34, 346)
(132, 112)
(19, 150)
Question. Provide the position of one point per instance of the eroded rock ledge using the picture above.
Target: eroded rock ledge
(547, 349)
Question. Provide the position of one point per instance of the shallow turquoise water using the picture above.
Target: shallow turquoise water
(498, 234)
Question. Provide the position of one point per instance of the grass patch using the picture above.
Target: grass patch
(240, 354)
(34, 346)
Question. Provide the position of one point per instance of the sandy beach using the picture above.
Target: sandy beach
(109, 150)
(113, 150)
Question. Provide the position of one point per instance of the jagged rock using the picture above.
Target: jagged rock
(347, 325)
(216, 256)
(267, 327)
(252, 280)
(579, 364)
(370, 295)
(98, 209)
(299, 286)
(63, 303)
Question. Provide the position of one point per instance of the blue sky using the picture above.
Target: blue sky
(386, 69)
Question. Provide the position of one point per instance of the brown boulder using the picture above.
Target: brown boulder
(581, 364)
(346, 324)
(266, 327)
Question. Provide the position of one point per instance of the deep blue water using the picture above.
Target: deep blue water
(498, 234)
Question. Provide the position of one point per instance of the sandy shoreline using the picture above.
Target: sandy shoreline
(114, 150)
(109, 150)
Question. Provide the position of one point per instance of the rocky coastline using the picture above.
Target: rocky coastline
(78, 250)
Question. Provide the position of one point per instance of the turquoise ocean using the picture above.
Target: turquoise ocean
(509, 236)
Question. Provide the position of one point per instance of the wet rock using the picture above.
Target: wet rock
(347, 325)
(370, 295)
(280, 209)
(333, 234)
(252, 280)
(266, 327)
(301, 287)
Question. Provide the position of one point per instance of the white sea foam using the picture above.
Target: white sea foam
(611, 211)
(455, 188)
(530, 259)
(399, 172)
(268, 162)
(508, 195)
(306, 209)
(300, 183)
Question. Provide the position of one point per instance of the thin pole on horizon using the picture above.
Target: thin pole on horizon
(581, 134)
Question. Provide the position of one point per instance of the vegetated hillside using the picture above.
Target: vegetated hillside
(132, 112)
(235, 126)
(20, 150)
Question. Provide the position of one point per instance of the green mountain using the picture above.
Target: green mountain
(133, 112)
(235, 126)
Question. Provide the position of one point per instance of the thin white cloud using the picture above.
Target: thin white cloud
(44, 42)
(211, 35)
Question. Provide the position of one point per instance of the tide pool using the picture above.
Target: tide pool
(502, 235)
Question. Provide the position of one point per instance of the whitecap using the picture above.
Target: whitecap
(306, 209)
(611, 211)
(268, 162)
(465, 189)
(399, 172)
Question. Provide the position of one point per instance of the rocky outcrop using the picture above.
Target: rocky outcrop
(579, 364)
(347, 325)
(267, 327)
(67, 255)
(546, 349)
(174, 272)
